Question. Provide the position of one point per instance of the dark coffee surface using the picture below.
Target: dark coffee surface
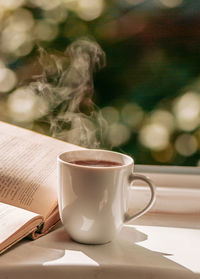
(96, 163)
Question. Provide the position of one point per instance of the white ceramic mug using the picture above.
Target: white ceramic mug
(93, 199)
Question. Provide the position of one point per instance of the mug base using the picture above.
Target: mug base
(91, 242)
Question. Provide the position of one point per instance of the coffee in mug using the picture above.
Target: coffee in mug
(95, 163)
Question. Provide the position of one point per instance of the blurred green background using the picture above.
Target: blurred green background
(149, 90)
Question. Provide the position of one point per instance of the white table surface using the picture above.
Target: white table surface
(154, 246)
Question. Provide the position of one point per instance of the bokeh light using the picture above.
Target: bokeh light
(111, 114)
(187, 111)
(164, 118)
(21, 20)
(89, 9)
(45, 30)
(164, 156)
(186, 144)
(8, 80)
(25, 48)
(16, 38)
(132, 114)
(12, 41)
(154, 136)
(59, 14)
(11, 4)
(25, 106)
(118, 134)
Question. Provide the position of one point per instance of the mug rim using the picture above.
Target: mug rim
(129, 158)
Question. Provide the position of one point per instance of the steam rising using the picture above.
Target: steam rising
(66, 84)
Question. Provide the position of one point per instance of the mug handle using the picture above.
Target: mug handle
(132, 178)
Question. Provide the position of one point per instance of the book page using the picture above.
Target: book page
(16, 223)
(28, 168)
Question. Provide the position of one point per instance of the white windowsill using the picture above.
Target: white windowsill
(177, 190)
(172, 176)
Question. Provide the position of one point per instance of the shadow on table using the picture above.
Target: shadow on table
(57, 256)
(123, 256)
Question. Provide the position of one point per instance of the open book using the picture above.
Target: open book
(28, 196)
